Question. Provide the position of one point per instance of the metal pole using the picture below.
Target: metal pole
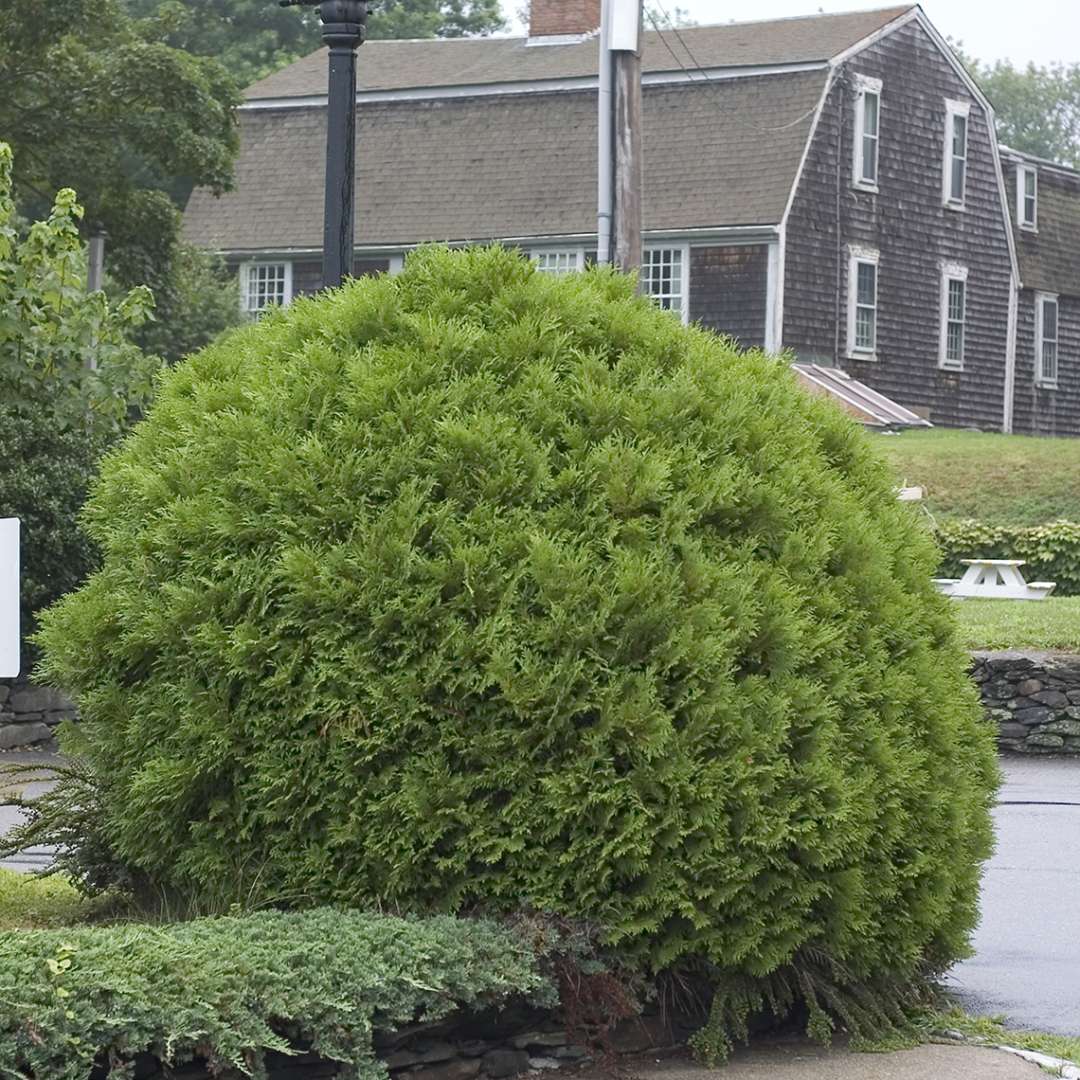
(605, 145)
(343, 31)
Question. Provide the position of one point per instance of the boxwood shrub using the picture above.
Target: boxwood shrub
(226, 990)
(480, 588)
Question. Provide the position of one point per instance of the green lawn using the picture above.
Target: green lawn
(1020, 624)
(999, 479)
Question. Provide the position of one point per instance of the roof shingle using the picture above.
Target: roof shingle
(716, 153)
(399, 65)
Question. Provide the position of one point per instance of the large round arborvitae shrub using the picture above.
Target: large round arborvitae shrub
(480, 588)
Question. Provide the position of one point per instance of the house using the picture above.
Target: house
(828, 185)
(1044, 199)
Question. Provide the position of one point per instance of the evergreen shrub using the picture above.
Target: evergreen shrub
(229, 989)
(480, 588)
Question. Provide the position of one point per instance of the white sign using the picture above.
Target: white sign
(623, 28)
(9, 597)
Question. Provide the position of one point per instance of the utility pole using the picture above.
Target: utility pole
(605, 186)
(624, 40)
(343, 29)
(95, 261)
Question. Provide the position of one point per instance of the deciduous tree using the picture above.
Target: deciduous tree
(252, 38)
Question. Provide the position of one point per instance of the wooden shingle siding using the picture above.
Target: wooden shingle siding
(728, 288)
(307, 276)
(1049, 262)
(1038, 410)
(914, 233)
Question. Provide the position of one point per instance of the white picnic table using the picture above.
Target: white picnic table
(998, 579)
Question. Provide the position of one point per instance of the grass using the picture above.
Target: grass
(1020, 624)
(28, 902)
(992, 1029)
(999, 479)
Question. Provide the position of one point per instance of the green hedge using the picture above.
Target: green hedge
(229, 989)
(1052, 551)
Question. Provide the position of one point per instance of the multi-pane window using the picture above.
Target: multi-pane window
(1027, 196)
(862, 303)
(867, 132)
(1046, 337)
(265, 284)
(956, 152)
(558, 260)
(664, 278)
(953, 316)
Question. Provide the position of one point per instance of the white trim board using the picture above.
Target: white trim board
(721, 236)
(530, 86)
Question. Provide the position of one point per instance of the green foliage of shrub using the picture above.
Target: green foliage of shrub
(44, 476)
(69, 375)
(475, 587)
(1051, 551)
(229, 989)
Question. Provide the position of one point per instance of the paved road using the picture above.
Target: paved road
(26, 784)
(1027, 947)
(1027, 961)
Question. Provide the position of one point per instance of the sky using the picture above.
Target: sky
(1040, 30)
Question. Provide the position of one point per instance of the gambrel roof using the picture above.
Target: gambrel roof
(400, 65)
(494, 138)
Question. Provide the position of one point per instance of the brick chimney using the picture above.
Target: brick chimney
(555, 18)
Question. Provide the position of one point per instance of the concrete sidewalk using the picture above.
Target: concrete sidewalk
(801, 1060)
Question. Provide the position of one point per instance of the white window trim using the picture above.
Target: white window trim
(954, 109)
(1040, 297)
(245, 273)
(865, 85)
(951, 272)
(685, 249)
(1022, 172)
(577, 253)
(857, 255)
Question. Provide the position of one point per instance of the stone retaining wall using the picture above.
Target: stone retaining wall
(1034, 697)
(28, 714)
(484, 1046)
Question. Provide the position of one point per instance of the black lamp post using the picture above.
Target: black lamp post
(343, 25)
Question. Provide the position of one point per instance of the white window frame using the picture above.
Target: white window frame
(952, 272)
(1041, 379)
(1022, 173)
(575, 257)
(866, 87)
(684, 276)
(246, 270)
(858, 256)
(954, 109)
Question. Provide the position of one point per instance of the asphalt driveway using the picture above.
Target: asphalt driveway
(1027, 946)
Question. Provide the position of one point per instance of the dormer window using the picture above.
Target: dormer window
(867, 132)
(1027, 197)
(956, 153)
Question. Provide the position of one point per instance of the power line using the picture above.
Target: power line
(707, 77)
